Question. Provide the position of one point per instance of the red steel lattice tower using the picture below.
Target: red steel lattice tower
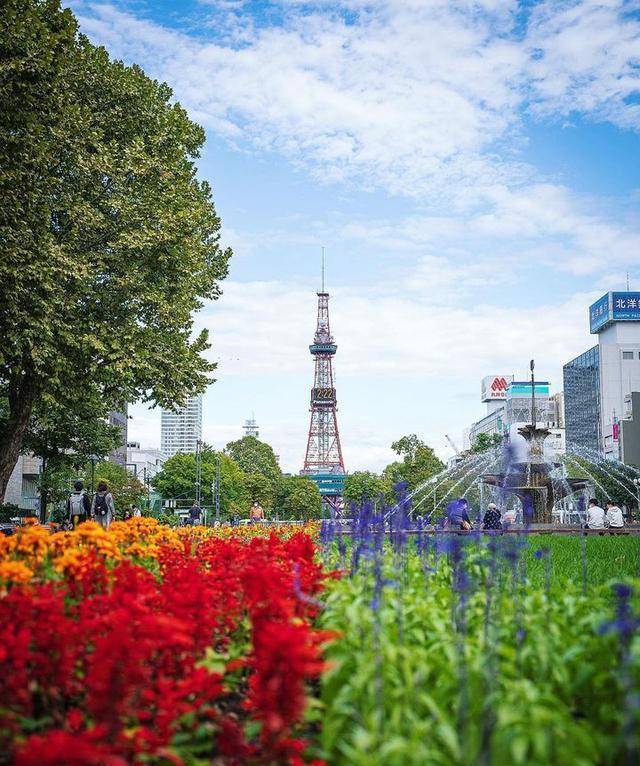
(323, 462)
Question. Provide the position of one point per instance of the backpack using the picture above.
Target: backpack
(76, 504)
(100, 506)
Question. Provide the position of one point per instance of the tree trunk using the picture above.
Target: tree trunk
(22, 395)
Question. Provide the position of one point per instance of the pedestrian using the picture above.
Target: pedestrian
(136, 512)
(194, 514)
(491, 518)
(78, 505)
(103, 509)
(128, 514)
(458, 514)
(595, 515)
(614, 515)
(257, 512)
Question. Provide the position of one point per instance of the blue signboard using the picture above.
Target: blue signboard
(626, 306)
(614, 307)
(599, 313)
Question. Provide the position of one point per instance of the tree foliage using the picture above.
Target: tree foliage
(255, 456)
(484, 442)
(364, 485)
(419, 463)
(178, 476)
(298, 497)
(109, 240)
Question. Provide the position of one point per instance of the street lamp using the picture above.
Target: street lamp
(217, 498)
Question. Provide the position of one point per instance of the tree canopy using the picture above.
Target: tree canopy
(178, 476)
(109, 240)
(255, 456)
(484, 442)
(298, 497)
(363, 485)
(419, 463)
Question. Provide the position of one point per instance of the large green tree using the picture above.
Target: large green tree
(178, 476)
(485, 442)
(363, 485)
(109, 241)
(254, 456)
(419, 463)
(298, 497)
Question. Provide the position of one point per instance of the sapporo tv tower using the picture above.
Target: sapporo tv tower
(323, 462)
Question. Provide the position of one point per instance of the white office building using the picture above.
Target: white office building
(182, 430)
(600, 383)
(144, 462)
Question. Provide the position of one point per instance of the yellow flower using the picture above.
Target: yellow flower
(15, 572)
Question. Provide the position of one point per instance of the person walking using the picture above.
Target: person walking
(78, 505)
(491, 518)
(257, 512)
(595, 515)
(103, 509)
(194, 514)
(614, 515)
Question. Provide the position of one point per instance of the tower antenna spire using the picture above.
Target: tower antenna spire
(323, 269)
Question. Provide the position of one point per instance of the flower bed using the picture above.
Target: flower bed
(156, 646)
(472, 650)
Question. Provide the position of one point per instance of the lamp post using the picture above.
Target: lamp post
(637, 486)
(217, 488)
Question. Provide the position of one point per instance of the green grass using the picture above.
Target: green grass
(608, 558)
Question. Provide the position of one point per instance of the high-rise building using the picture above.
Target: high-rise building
(600, 381)
(582, 400)
(120, 418)
(182, 429)
(144, 462)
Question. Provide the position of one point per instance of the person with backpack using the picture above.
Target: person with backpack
(78, 505)
(103, 509)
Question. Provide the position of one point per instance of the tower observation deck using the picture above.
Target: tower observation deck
(323, 461)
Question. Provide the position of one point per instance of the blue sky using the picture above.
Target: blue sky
(472, 168)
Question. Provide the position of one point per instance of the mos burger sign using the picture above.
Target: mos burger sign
(495, 387)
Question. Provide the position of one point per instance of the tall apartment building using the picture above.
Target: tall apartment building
(181, 430)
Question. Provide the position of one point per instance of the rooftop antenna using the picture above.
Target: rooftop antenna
(323, 269)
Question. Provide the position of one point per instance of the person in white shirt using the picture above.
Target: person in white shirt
(595, 515)
(614, 516)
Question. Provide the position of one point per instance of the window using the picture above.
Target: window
(627, 354)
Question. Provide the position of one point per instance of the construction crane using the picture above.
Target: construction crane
(453, 444)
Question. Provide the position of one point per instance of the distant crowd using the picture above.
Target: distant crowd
(457, 516)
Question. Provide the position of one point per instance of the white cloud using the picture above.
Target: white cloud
(410, 96)
(585, 57)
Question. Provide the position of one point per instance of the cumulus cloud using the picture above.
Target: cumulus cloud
(411, 96)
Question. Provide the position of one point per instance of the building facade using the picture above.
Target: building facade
(144, 462)
(582, 401)
(599, 382)
(120, 418)
(514, 409)
(182, 430)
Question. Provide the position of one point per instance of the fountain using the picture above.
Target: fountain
(531, 480)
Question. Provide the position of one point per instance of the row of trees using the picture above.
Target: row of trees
(109, 242)
(249, 472)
